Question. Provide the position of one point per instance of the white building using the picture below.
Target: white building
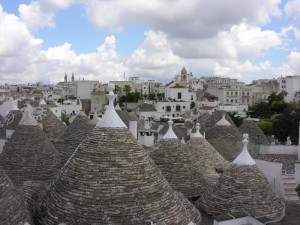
(84, 88)
(290, 85)
(70, 108)
(174, 109)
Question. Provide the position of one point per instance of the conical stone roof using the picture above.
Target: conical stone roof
(179, 166)
(215, 117)
(12, 119)
(73, 136)
(206, 155)
(13, 210)
(255, 133)
(52, 126)
(225, 139)
(111, 179)
(29, 154)
(242, 188)
(79, 128)
(179, 131)
(202, 120)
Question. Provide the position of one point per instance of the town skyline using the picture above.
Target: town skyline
(153, 40)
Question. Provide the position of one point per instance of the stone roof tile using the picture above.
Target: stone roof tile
(242, 188)
(13, 210)
(29, 155)
(111, 179)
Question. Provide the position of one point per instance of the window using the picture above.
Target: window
(236, 101)
(235, 93)
(168, 108)
(177, 107)
(163, 107)
(247, 93)
(183, 107)
(192, 97)
(179, 95)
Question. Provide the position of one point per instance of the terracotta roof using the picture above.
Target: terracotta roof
(13, 210)
(255, 133)
(29, 154)
(111, 179)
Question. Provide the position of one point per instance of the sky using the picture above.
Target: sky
(112, 40)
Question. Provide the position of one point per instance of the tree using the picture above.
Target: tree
(60, 100)
(236, 119)
(126, 89)
(275, 97)
(281, 107)
(266, 127)
(192, 105)
(152, 96)
(287, 125)
(261, 110)
(159, 96)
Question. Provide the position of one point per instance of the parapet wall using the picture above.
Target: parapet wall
(278, 149)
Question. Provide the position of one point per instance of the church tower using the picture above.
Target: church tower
(73, 77)
(183, 77)
(66, 78)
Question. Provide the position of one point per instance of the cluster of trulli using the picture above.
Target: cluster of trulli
(111, 179)
(243, 188)
(179, 166)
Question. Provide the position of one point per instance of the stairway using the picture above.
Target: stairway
(289, 184)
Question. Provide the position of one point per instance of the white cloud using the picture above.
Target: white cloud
(291, 67)
(292, 9)
(22, 60)
(208, 37)
(39, 14)
(242, 42)
(18, 48)
(178, 18)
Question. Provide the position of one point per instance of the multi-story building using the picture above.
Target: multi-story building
(262, 88)
(289, 85)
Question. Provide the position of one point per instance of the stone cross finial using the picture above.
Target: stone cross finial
(170, 133)
(244, 158)
(110, 117)
(197, 134)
